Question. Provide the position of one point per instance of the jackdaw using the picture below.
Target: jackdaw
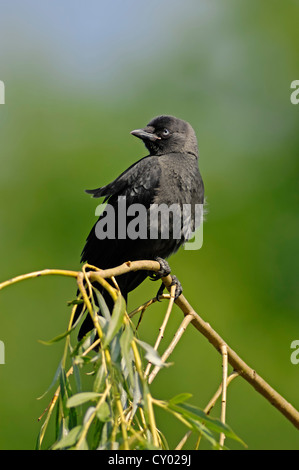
(168, 177)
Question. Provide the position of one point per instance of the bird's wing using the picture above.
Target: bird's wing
(138, 184)
(142, 175)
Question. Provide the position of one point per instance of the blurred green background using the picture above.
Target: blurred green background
(79, 76)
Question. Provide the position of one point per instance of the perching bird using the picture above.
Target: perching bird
(168, 175)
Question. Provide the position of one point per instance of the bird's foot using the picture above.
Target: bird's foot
(178, 287)
(163, 271)
(160, 291)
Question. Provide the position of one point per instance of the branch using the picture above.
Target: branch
(207, 410)
(181, 330)
(249, 374)
(224, 387)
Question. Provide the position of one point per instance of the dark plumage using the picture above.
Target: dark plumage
(168, 175)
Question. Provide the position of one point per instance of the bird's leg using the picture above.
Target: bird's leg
(160, 291)
(178, 287)
(163, 272)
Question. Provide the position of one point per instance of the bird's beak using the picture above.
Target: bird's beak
(146, 134)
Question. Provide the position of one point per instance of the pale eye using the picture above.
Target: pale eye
(165, 132)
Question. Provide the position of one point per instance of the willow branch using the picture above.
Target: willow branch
(163, 326)
(207, 410)
(245, 371)
(224, 388)
(44, 272)
(214, 399)
(180, 331)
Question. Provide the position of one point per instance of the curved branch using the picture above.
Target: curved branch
(249, 374)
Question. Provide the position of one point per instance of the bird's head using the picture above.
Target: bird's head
(168, 134)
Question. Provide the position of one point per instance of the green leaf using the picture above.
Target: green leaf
(197, 425)
(55, 379)
(115, 348)
(69, 440)
(105, 440)
(75, 302)
(206, 433)
(57, 338)
(89, 412)
(83, 445)
(180, 398)
(103, 306)
(137, 392)
(65, 392)
(89, 339)
(197, 414)
(126, 350)
(77, 375)
(62, 335)
(83, 343)
(116, 320)
(151, 354)
(81, 398)
(103, 412)
(67, 418)
(99, 381)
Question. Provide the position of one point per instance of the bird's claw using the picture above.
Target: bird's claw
(178, 287)
(160, 292)
(163, 271)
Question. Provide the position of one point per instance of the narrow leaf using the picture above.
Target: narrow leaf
(103, 412)
(99, 381)
(62, 335)
(212, 423)
(116, 320)
(75, 302)
(57, 338)
(81, 398)
(151, 354)
(127, 353)
(69, 440)
(103, 306)
(180, 398)
(55, 379)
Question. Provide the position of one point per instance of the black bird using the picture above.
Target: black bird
(168, 175)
